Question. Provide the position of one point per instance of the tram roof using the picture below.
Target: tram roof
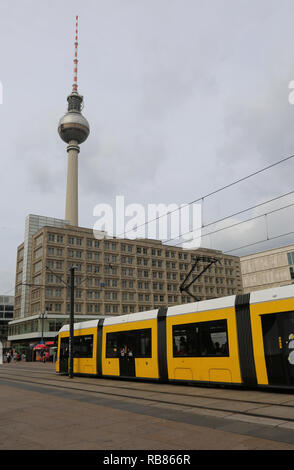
(266, 295)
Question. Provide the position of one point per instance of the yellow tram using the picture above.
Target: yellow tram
(243, 340)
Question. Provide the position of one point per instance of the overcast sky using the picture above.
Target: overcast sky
(182, 96)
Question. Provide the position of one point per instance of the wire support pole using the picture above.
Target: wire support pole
(71, 323)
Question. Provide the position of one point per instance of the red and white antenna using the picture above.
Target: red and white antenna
(75, 75)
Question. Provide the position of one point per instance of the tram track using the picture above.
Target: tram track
(119, 384)
(186, 402)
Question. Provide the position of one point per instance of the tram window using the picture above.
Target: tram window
(136, 341)
(83, 346)
(205, 339)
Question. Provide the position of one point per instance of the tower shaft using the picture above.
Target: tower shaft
(71, 205)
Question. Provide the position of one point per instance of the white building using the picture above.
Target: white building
(270, 268)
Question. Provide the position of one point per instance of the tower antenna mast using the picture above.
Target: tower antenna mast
(75, 70)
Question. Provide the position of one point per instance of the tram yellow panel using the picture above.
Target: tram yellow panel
(182, 373)
(145, 367)
(220, 375)
(110, 366)
(201, 366)
(258, 345)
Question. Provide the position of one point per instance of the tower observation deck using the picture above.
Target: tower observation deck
(73, 129)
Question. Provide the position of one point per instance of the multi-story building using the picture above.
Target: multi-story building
(113, 276)
(270, 268)
(6, 315)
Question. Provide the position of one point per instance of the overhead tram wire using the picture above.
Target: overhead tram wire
(238, 223)
(233, 215)
(244, 178)
(260, 241)
(85, 276)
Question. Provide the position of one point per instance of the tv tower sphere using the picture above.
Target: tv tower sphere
(73, 125)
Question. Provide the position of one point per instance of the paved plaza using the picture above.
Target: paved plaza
(35, 417)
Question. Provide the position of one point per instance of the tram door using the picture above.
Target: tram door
(127, 366)
(278, 338)
(64, 355)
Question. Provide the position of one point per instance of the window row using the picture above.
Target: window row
(204, 339)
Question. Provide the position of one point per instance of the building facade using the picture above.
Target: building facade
(113, 276)
(270, 268)
(6, 315)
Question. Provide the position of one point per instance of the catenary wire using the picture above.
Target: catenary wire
(237, 213)
(268, 167)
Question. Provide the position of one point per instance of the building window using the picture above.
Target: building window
(49, 278)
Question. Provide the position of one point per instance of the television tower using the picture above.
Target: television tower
(73, 129)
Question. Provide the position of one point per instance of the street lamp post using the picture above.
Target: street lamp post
(43, 315)
(71, 322)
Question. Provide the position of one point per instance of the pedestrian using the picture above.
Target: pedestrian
(8, 356)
